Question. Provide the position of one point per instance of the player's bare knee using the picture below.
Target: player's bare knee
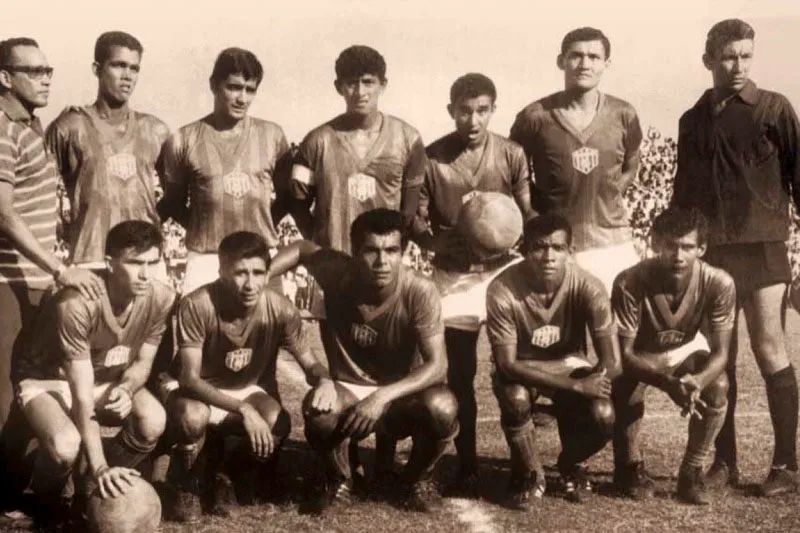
(515, 404)
(603, 415)
(190, 418)
(442, 408)
(319, 426)
(149, 420)
(716, 393)
(64, 447)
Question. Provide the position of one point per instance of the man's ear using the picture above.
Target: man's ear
(5, 79)
(707, 61)
(96, 68)
(701, 250)
(560, 61)
(451, 111)
(109, 267)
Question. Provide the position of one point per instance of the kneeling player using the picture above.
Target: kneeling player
(537, 314)
(384, 340)
(660, 305)
(229, 334)
(88, 364)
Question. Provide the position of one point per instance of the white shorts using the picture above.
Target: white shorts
(606, 263)
(359, 391)
(29, 389)
(671, 359)
(166, 385)
(202, 269)
(561, 367)
(464, 295)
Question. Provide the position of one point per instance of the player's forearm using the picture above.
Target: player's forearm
(527, 373)
(409, 202)
(428, 374)
(608, 356)
(136, 376)
(83, 414)
(314, 370)
(201, 390)
(717, 360)
(14, 228)
(637, 368)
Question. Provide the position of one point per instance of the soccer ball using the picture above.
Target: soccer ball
(136, 511)
(491, 224)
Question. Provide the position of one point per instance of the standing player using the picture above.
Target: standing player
(108, 154)
(537, 314)
(738, 162)
(461, 165)
(360, 160)
(583, 148)
(661, 304)
(384, 340)
(227, 165)
(88, 365)
(229, 334)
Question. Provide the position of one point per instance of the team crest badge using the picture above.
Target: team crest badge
(670, 338)
(238, 359)
(236, 184)
(545, 336)
(118, 355)
(122, 166)
(469, 196)
(361, 187)
(364, 335)
(585, 159)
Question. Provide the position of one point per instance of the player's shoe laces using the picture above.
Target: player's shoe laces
(423, 496)
(691, 487)
(576, 483)
(780, 480)
(525, 492)
(634, 481)
(719, 475)
(223, 501)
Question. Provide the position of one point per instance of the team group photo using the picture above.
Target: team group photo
(453, 302)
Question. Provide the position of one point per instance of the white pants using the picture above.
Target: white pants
(31, 388)
(359, 391)
(606, 263)
(671, 359)
(167, 385)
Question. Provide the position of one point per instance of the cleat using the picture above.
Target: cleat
(224, 497)
(465, 485)
(424, 497)
(720, 475)
(691, 487)
(780, 480)
(633, 481)
(336, 494)
(525, 493)
(187, 508)
(576, 484)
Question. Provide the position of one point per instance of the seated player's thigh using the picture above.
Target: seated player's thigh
(347, 395)
(47, 416)
(514, 399)
(271, 410)
(147, 415)
(431, 411)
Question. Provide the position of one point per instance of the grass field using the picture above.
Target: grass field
(665, 434)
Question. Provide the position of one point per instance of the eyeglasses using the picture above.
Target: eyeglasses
(35, 73)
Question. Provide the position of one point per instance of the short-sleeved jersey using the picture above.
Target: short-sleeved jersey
(72, 327)
(516, 316)
(110, 176)
(344, 185)
(643, 312)
(579, 174)
(373, 345)
(229, 181)
(238, 353)
(449, 183)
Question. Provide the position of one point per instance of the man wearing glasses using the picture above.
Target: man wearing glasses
(28, 180)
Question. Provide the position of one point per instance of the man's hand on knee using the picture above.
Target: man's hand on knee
(361, 418)
(258, 431)
(119, 403)
(323, 397)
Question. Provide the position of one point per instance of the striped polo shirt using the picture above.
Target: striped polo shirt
(26, 165)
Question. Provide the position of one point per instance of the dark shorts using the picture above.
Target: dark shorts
(753, 265)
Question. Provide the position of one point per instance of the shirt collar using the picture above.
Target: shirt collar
(749, 93)
(14, 109)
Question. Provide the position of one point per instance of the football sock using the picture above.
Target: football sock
(462, 357)
(626, 434)
(385, 448)
(702, 433)
(338, 460)
(425, 453)
(522, 445)
(581, 435)
(125, 449)
(49, 478)
(782, 400)
(726, 440)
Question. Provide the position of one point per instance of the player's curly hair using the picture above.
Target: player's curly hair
(676, 222)
(102, 47)
(359, 60)
(379, 221)
(580, 35)
(136, 234)
(726, 31)
(472, 85)
(542, 226)
(232, 61)
(243, 245)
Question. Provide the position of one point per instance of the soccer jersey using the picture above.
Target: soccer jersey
(345, 185)
(229, 181)
(579, 173)
(110, 176)
(449, 183)
(243, 352)
(72, 327)
(373, 346)
(515, 315)
(643, 312)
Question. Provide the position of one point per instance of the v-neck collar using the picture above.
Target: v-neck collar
(111, 320)
(546, 313)
(118, 141)
(242, 334)
(363, 162)
(474, 174)
(229, 159)
(369, 313)
(687, 301)
(586, 134)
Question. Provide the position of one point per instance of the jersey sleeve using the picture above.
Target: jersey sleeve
(633, 134)
(192, 323)
(723, 305)
(164, 304)
(308, 154)
(598, 308)
(74, 328)
(414, 171)
(328, 267)
(9, 153)
(174, 152)
(160, 137)
(501, 328)
(292, 339)
(427, 310)
(57, 143)
(520, 175)
(626, 307)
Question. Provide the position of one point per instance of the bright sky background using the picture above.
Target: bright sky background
(656, 51)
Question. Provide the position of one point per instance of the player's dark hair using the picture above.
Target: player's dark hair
(472, 85)
(676, 222)
(7, 46)
(232, 61)
(379, 221)
(102, 47)
(581, 35)
(542, 226)
(359, 60)
(243, 245)
(136, 234)
(726, 31)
